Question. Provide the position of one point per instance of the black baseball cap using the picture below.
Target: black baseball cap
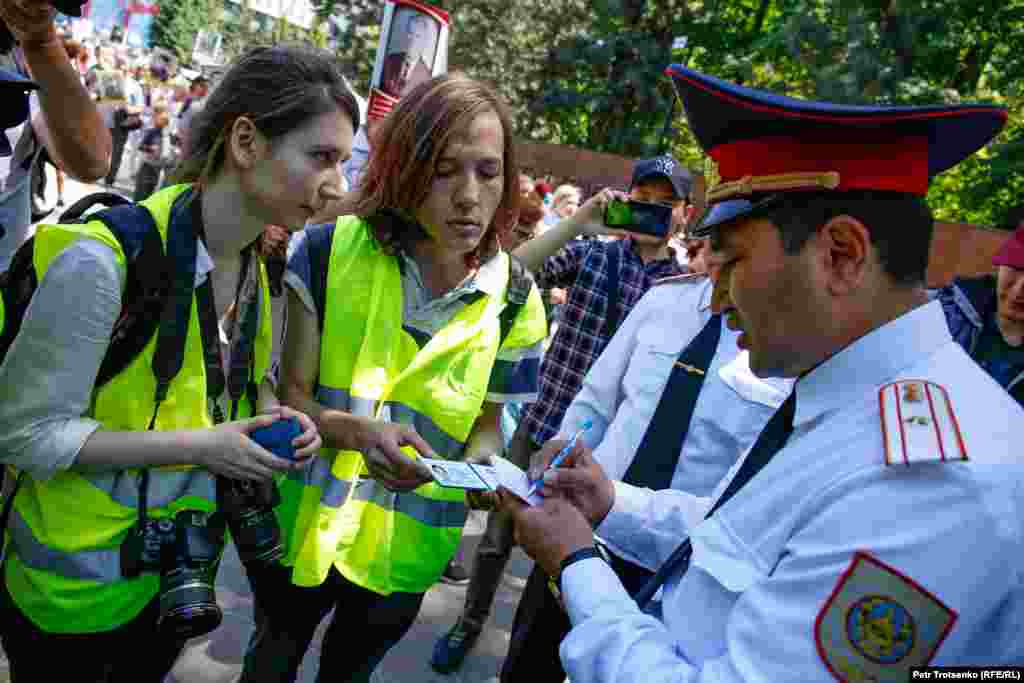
(663, 167)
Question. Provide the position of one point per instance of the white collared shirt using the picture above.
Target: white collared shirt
(623, 389)
(767, 565)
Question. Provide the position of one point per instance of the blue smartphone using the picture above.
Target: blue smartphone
(277, 438)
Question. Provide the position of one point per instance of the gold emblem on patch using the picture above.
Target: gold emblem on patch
(878, 623)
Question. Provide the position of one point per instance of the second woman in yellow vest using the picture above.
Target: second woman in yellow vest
(74, 601)
(397, 346)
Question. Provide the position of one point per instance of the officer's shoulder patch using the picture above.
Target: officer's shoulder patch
(878, 623)
(918, 423)
(685, 277)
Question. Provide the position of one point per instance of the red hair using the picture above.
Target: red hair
(406, 145)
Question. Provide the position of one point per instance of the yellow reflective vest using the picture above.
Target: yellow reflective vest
(63, 562)
(369, 366)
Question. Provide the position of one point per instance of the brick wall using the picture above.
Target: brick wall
(590, 171)
(959, 249)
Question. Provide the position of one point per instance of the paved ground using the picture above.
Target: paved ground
(217, 657)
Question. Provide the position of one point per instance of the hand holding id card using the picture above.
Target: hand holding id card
(472, 477)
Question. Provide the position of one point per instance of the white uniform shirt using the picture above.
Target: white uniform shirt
(623, 388)
(770, 562)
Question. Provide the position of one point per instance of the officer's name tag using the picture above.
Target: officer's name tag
(472, 477)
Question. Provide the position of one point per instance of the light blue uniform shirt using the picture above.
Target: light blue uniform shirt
(623, 388)
(771, 563)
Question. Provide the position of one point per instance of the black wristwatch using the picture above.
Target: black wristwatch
(577, 556)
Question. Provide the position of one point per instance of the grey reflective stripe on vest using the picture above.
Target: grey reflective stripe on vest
(444, 445)
(342, 399)
(165, 486)
(103, 566)
(335, 491)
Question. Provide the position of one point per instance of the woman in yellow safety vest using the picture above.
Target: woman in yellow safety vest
(408, 327)
(116, 529)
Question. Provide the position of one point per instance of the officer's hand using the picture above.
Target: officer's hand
(381, 444)
(590, 217)
(227, 450)
(549, 532)
(30, 21)
(480, 500)
(583, 482)
(540, 460)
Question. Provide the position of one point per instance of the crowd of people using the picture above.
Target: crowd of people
(764, 449)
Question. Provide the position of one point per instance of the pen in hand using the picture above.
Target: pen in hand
(562, 455)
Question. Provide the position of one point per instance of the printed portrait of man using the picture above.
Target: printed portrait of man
(410, 55)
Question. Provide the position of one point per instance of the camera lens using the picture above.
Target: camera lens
(257, 535)
(188, 604)
(248, 508)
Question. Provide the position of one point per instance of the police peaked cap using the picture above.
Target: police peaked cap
(766, 144)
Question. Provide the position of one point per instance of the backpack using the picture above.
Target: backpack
(152, 281)
(318, 239)
(146, 285)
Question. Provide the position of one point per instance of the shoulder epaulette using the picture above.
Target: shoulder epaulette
(918, 424)
(685, 277)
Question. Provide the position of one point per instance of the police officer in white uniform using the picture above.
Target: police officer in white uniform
(673, 356)
(875, 525)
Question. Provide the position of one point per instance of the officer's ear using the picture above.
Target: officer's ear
(246, 145)
(845, 249)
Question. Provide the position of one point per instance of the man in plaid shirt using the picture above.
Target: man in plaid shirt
(595, 273)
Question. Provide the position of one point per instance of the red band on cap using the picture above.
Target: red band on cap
(897, 165)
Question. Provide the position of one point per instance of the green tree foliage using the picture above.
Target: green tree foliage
(178, 22)
(924, 52)
(590, 73)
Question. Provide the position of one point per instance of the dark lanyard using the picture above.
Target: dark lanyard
(182, 246)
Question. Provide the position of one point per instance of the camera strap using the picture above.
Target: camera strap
(169, 357)
(183, 235)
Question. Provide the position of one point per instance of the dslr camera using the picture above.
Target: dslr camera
(248, 507)
(184, 551)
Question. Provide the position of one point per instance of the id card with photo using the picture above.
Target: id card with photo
(501, 472)
(458, 475)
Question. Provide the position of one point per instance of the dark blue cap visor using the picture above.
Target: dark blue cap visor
(732, 210)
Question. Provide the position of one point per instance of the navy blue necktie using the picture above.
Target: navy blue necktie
(775, 435)
(655, 460)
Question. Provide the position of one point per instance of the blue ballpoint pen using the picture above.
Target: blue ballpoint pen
(562, 454)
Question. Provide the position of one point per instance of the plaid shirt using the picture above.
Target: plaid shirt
(582, 269)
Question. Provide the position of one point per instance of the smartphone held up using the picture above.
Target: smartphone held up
(640, 217)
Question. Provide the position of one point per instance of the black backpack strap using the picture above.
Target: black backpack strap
(182, 247)
(613, 254)
(318, 244)
(76, 212)
(146, 285)
(519, 284)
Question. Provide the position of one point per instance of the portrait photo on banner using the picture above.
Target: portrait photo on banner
(411, 49)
